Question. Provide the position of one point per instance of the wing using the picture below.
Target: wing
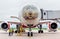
(14, 22)
(1, 21)
(55, 19)
(44, 22)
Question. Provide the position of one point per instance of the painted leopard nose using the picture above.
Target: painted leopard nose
(30, 13)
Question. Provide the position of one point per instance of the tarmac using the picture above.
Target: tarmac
(45, 35)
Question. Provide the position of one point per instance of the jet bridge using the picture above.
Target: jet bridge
(50, 14)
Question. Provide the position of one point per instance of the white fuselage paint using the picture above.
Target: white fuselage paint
(25, 13)
(34, 22)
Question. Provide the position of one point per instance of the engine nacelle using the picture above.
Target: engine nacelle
(4, 26)
(53, 26)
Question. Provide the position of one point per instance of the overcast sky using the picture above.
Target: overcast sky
(13, 7)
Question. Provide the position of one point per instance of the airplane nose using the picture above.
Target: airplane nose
(30, 13)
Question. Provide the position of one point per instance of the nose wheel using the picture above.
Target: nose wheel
(30, 33)
(40, 31)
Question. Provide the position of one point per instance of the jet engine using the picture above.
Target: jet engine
(4, 26)
(53, 26)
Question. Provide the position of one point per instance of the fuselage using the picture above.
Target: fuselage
(30, 15)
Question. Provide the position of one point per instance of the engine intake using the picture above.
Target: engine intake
(4, 26)
(53, 26)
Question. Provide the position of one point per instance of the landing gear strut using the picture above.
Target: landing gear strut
(30, 33)
(40, 29)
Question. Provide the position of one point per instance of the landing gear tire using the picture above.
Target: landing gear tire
(40, 31)
(16, 31)
(54, 30)
(49, 31)
(30, 33)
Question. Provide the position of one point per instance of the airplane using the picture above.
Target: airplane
(30, 19)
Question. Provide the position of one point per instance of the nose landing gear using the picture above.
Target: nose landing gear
(40, 31)
(30, 33)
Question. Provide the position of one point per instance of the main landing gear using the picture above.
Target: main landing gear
(40, 29)
(30, 33)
